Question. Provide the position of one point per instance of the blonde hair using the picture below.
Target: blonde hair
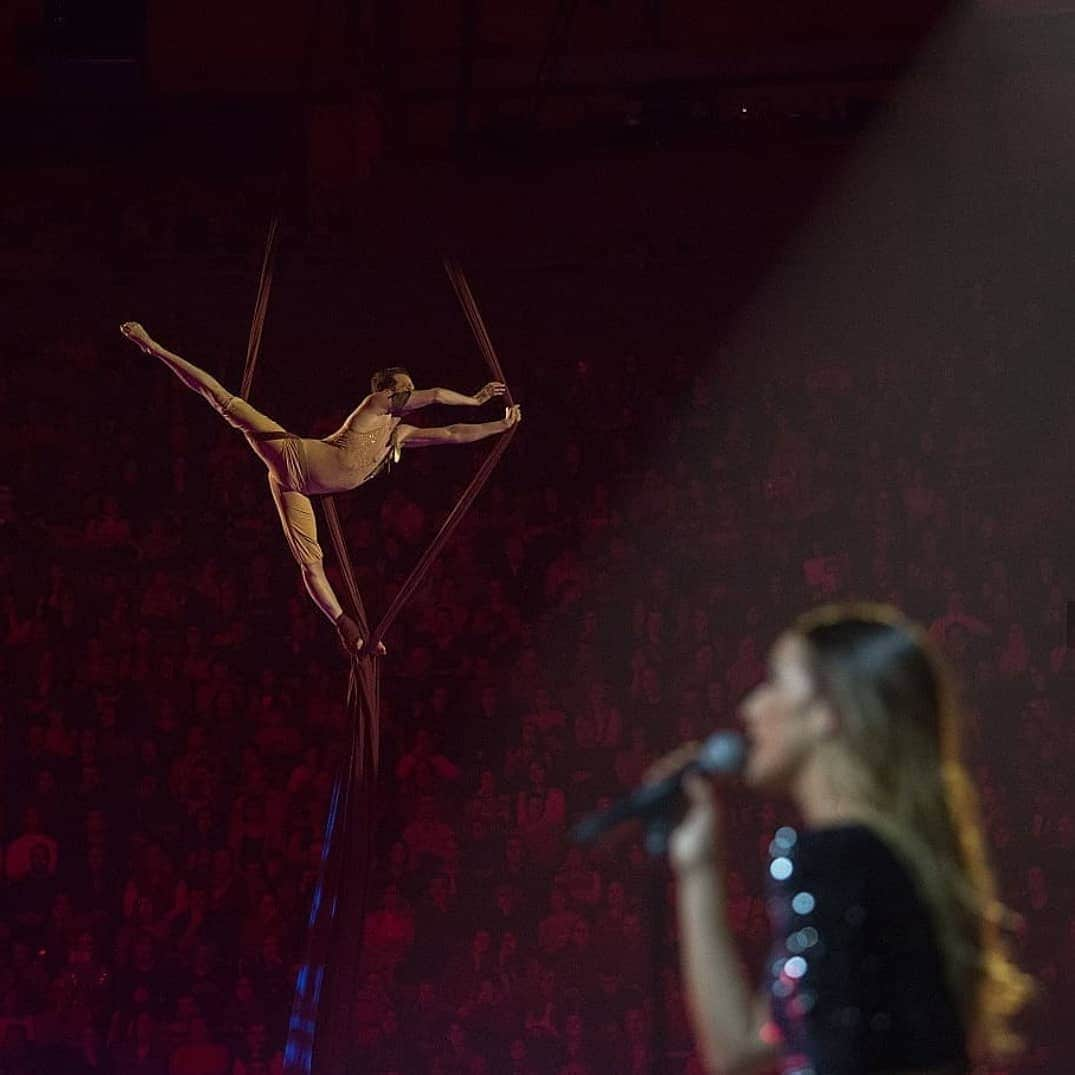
(900, 723)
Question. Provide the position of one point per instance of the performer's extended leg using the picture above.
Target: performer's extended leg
(295, 510)
(236, 411)
(300, 529)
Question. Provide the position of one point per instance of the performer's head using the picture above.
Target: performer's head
(857, 719)
(855, 702)
(392, 379)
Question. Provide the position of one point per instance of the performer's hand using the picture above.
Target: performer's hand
(696, 841)
(512, 416)
(134, 332)
(490, 391)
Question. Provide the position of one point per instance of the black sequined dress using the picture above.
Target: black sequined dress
(855, 977)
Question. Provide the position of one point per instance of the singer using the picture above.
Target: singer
(888, 952)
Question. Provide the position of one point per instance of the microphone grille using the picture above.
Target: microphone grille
(722, 752)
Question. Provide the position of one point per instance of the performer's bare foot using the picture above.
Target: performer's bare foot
(136, 334)
(351, 641)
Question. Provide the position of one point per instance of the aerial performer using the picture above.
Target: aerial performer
(371, 438)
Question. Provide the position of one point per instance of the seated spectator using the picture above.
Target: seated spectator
(108, 529)
(527, 676)
(544, 714)
(541, 1017)
(388, 932)
(509, 970)
(393, 1048)
(162, 600)
(633, 758)
(553, 804)
(425, 771)
(556, 928)
(576, 1046)
(59, 741)
(468, 968)
(488, 804)
(266, 922)
(271, 971)
(155, 879)
(491, 1017)
(18, 856)
(956, 614)
(598, 725)
(251, 834)
(242, 1010)
(540, 830)
(65, 924)
(141, 1053)
(609, 921)
(200, 1053)
(1013, 660)
(428, 1018)
(278, 741)
(436, 917)
(457, 1057)
(18, 1055)
(636, 1044)
(33, 893)
(254, 1054)
(747, 670)
(427, 836)
(516, 867)
(579, 879)
(497, 624)
(303, 773)
(83, 987)
(577, 961)
(519, 1062)
(520, 757)
(394, 869)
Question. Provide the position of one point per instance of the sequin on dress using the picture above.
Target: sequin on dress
(855, 977)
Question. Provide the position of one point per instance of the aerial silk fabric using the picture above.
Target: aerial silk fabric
(320, 1039)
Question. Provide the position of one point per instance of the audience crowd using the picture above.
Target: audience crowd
(173, 716)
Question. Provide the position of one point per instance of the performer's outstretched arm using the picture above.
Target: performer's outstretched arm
(457, 399)
(413, 437)
(405, 402)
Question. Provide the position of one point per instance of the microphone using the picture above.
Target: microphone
(723, 753)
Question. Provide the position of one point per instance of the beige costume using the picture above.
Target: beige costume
(300, 467)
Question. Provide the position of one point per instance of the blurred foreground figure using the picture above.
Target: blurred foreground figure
(888, 951)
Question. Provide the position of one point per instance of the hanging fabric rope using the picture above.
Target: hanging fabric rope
(481, 336)
(257, 322)
(362, 677)
(320, 1028)
(477, 325)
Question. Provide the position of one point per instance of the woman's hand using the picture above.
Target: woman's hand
(696, 842)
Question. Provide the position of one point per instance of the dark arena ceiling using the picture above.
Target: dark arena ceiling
(438, 74)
